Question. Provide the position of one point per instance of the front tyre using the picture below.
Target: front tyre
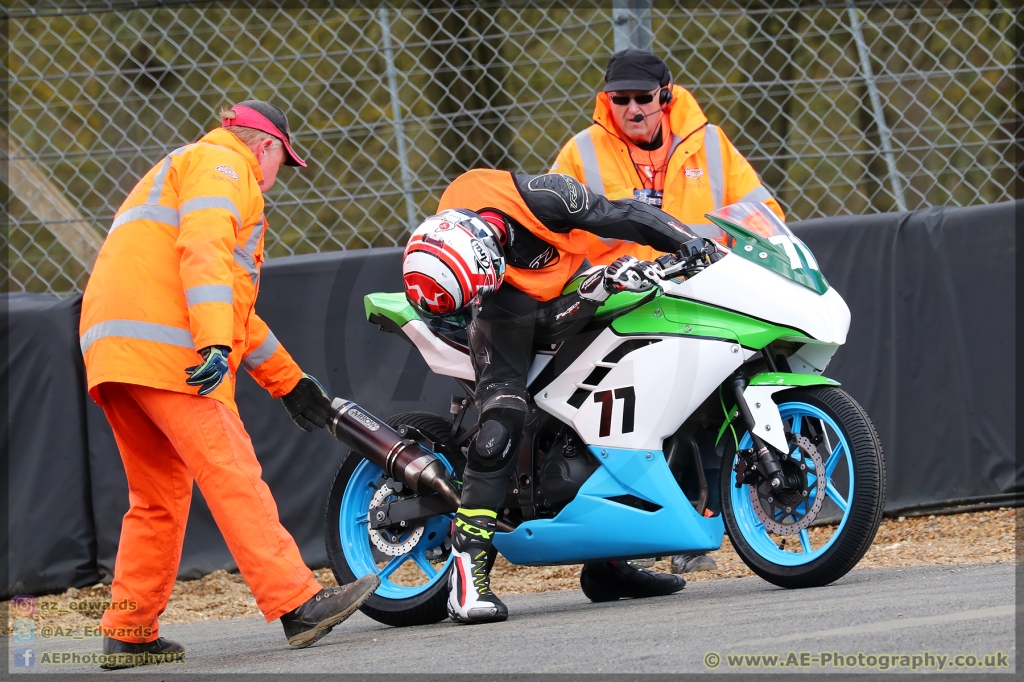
(770, 532)
(412, 563)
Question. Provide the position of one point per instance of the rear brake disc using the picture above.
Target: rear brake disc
(384, 541)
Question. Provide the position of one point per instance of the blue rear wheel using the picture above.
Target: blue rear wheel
(412, 562)
(812, 533)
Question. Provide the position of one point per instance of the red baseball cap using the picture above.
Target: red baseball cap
(267, 118)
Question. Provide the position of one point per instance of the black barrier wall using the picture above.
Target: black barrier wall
(930, 356)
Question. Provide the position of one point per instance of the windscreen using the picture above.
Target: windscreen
(763, 238)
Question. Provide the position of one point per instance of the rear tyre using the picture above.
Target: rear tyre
(353, 555)
(854, 494)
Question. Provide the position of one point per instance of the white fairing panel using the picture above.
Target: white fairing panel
(767, 419)
(737, 284)
(646, 395)
(442, 358)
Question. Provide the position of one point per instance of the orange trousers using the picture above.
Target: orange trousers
(167, 440)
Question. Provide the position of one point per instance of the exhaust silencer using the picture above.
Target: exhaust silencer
(403, 459)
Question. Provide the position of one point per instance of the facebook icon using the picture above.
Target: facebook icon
(24, 657)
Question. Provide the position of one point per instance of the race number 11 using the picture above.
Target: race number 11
(607, 398)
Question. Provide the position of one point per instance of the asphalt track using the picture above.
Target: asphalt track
(940, 610)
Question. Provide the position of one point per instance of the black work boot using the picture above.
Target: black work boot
(118, 654)
(321, 612)
(692, 563)
(624, 580)
(470, 599)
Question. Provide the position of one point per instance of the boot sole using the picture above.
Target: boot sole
(311, 637)
(124, 666)
(498, 618)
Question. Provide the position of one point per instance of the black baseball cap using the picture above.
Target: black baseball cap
(635, 69)
(268, 118)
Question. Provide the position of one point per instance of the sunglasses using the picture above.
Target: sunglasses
(623, 100)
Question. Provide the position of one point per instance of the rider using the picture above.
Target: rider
(530, 232)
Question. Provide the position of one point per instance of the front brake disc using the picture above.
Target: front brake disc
(386, 542)
(778, 511)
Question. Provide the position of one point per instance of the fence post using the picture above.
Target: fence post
(631, 20)
(396, 117)
(884, 134)
(49, 205)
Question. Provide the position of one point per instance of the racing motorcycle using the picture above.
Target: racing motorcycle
(677, 415)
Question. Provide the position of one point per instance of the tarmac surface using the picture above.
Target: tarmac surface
(941, 610)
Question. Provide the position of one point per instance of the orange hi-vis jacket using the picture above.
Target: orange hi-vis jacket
(480, 189)
(705, 172)
(180, 271)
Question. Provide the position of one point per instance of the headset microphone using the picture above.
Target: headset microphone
(638, 118)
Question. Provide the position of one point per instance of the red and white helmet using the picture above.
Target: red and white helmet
(452, 260)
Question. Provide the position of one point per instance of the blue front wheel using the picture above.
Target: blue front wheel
(816, 529)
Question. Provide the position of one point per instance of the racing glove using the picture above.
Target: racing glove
(307, 404)
(208, 375)
(625, 274)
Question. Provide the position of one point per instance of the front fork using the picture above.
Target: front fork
(766, 463)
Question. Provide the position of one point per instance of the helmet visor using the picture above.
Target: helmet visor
(450, 323)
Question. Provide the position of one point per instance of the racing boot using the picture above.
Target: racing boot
(624, 580)
(320, 613)
(470, 599)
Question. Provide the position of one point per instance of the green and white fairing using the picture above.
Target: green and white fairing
(654, 365)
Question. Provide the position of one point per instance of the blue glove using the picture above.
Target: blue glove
(211, 372)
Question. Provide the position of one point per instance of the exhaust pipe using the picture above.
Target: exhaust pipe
(403, 459)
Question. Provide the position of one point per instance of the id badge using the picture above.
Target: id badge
(651, 197)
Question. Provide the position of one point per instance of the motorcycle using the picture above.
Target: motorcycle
(677, 415)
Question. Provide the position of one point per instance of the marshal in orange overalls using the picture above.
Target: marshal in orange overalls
(179, 271)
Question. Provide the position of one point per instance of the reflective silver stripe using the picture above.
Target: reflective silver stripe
(261, 353)
(247, 262)
(254, 238)
(706, 230)
(203, 203)
(160, 214)
(676, 141)
(133, 329)
(588, 157)
(209, 293)
(161, 176)
(713, 153)
(757, 194)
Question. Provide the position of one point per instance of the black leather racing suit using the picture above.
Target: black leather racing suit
(510, 322)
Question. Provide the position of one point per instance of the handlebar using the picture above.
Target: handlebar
(694, 255)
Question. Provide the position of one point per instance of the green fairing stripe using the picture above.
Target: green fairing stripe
(393, 306)
(681, 317)
(787, 379)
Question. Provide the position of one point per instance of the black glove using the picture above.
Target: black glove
(307, 404)
(208, 375)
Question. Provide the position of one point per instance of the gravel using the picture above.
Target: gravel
(972, 538)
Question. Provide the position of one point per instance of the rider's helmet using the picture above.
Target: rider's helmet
(452, 261)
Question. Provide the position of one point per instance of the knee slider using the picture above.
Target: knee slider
(492, 442)
(497, 441)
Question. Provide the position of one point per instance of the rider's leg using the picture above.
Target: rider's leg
(500, 346)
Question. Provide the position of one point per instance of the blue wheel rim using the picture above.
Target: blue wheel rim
(355, 540)
(750, 527)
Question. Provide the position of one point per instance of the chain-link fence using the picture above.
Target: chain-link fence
(842, 107)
